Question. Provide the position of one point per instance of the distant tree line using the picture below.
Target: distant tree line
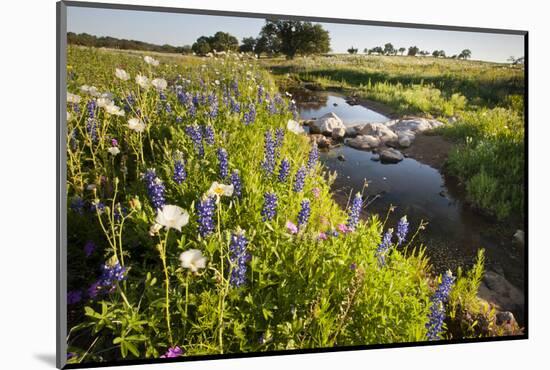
(85, 39)
(389, 49)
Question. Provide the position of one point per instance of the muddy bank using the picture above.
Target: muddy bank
(430, 149)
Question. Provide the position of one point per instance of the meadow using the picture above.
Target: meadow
(482, 100)
(200, 221)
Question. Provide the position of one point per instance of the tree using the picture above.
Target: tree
(376, 50)
(366, 51)
(413, 50)
(438, 54)
(223, 41)
(248, 45)
(202, 46)
(353, 50)
(402, 50)
(465, 54)
(295, 37)
(388, 49)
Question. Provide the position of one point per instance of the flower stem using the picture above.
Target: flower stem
(167, 286)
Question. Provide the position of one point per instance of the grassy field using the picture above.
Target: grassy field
(485, 100)
(199, 224)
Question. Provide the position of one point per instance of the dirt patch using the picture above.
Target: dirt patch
(432, 150)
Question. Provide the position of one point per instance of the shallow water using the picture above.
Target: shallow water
(455, 231)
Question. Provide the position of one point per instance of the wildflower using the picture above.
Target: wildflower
(238, 256)
(384, 247)
(402, 229)
(437, 309)
(284, 170)
(97, 206)
(218, 190)
(179, 172)
(151, 60)
(322, 236)
(172, 217)
(73, 98)
(74, 296)
(90, 107)
(69, 116)
(159, 83)
(112, 272)
(291, 227)
(77, 205)
(155, 229)
(91, 90)
(299, 179)
(316, 192)
(270, 206)
(305, 212)
(279, 139)
(250, 116)
(194, 132)
(92, 127)
(173, 352)
(114, 110)
(136, 124)
(268, 163)
(205, 211)
(208, 134)
(113, 150)
(295, 127)
(122, 74)
(155, 189)
(142, 81)
(193, 260)
(94, 289)
(355, 211)
(222, 158)
(89, 248)
(237, 183)
(313, 157)
(343, 228)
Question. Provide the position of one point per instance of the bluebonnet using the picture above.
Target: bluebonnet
(179, 119)
(402, 229)
(237, 183)
(120, 212)
(270, 206)
(155, 189)
(355, 211)
(279, 139)
(299, 179)
(168, 108)
(74, 296)
(192, 111)
(162, 96)
(213, 101)
(77, 205)
(250, 116)
(223, 159)
(208, 134)
(194, 132)
(238, 256)
(313, 157)
(383, 247)
(260, 93)
(90, 107)
(436, 317)
(110, 275)
(284, 170)
(305, 212)
(180, 174)
(183, 97)
(235, 87)
(235, 106)
(97, 206)
(92, 127)
(268, 163)
(205, 211)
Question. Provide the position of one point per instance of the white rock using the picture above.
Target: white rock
(379, 130)
(326, 124)
(338, 133)
(364, 142)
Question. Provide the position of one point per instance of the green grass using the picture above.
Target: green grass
(301, 292)
(485, 100)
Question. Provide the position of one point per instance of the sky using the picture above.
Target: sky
(183, 29)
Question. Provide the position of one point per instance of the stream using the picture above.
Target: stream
(455, 231)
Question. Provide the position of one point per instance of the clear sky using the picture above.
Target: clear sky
(184, 29)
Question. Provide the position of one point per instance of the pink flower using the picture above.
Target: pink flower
(322, 236)
(173, 352)
(316, 192)
(344, 229)
(291, 227)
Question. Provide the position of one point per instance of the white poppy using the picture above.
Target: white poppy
(154, 229)
(113, 150)
(150, 60)
(219, 190)
(136, 124)
(91, 90)
(142, 81)
(73, 98)
(69, 116)
(217, 82)
(122, 74)
(103, 102)
(294, 127)
(114, 110)
(193, 259)
(172, 217)
(159, 83)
